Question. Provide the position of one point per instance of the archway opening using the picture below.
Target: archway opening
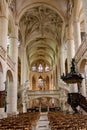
(9, 86)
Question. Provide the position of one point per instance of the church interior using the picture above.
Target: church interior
(43, 65)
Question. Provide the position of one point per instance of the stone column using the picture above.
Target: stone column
(77, 35)
(3, 43)
(10, 50)
(9, 96)
(3, 24)
(24, 107)
(14, 57)
(83, 88)
(62, 62)
(70, 45)
(23, 66)
(84, 2)
(54, 76)
(71, 53)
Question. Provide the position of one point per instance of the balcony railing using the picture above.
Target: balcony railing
(82, 49)
(2, 53)
(47, 93)
(43, 92)
(10, 63)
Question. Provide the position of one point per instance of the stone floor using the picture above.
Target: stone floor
(42, 123)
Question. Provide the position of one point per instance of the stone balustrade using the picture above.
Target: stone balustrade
(2, 53)
(24, 87)
(45, 93)
(5, 57)
(81, 50)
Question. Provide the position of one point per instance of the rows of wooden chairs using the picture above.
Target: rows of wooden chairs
(23, 121)
(63, 121)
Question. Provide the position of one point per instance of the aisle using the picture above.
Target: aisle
(42, 123)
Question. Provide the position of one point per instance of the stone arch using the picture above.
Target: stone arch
(9, 74)
(82, 65)
(34, 4)
(9, 89)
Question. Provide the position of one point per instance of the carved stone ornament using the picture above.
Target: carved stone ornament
(12, 5)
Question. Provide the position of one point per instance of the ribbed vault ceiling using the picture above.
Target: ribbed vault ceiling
(41, 29)
(42, 26)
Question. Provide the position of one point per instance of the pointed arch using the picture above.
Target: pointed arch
(82, 65)
(9, 74)
(9, 89)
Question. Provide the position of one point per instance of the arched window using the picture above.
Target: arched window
(8, 41)
(34, 67)
(40, 68)
(47, 68)
(40, 82)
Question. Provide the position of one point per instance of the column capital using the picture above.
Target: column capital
(14, 34)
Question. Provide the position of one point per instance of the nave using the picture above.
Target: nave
(42, 123)
(53, 120)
